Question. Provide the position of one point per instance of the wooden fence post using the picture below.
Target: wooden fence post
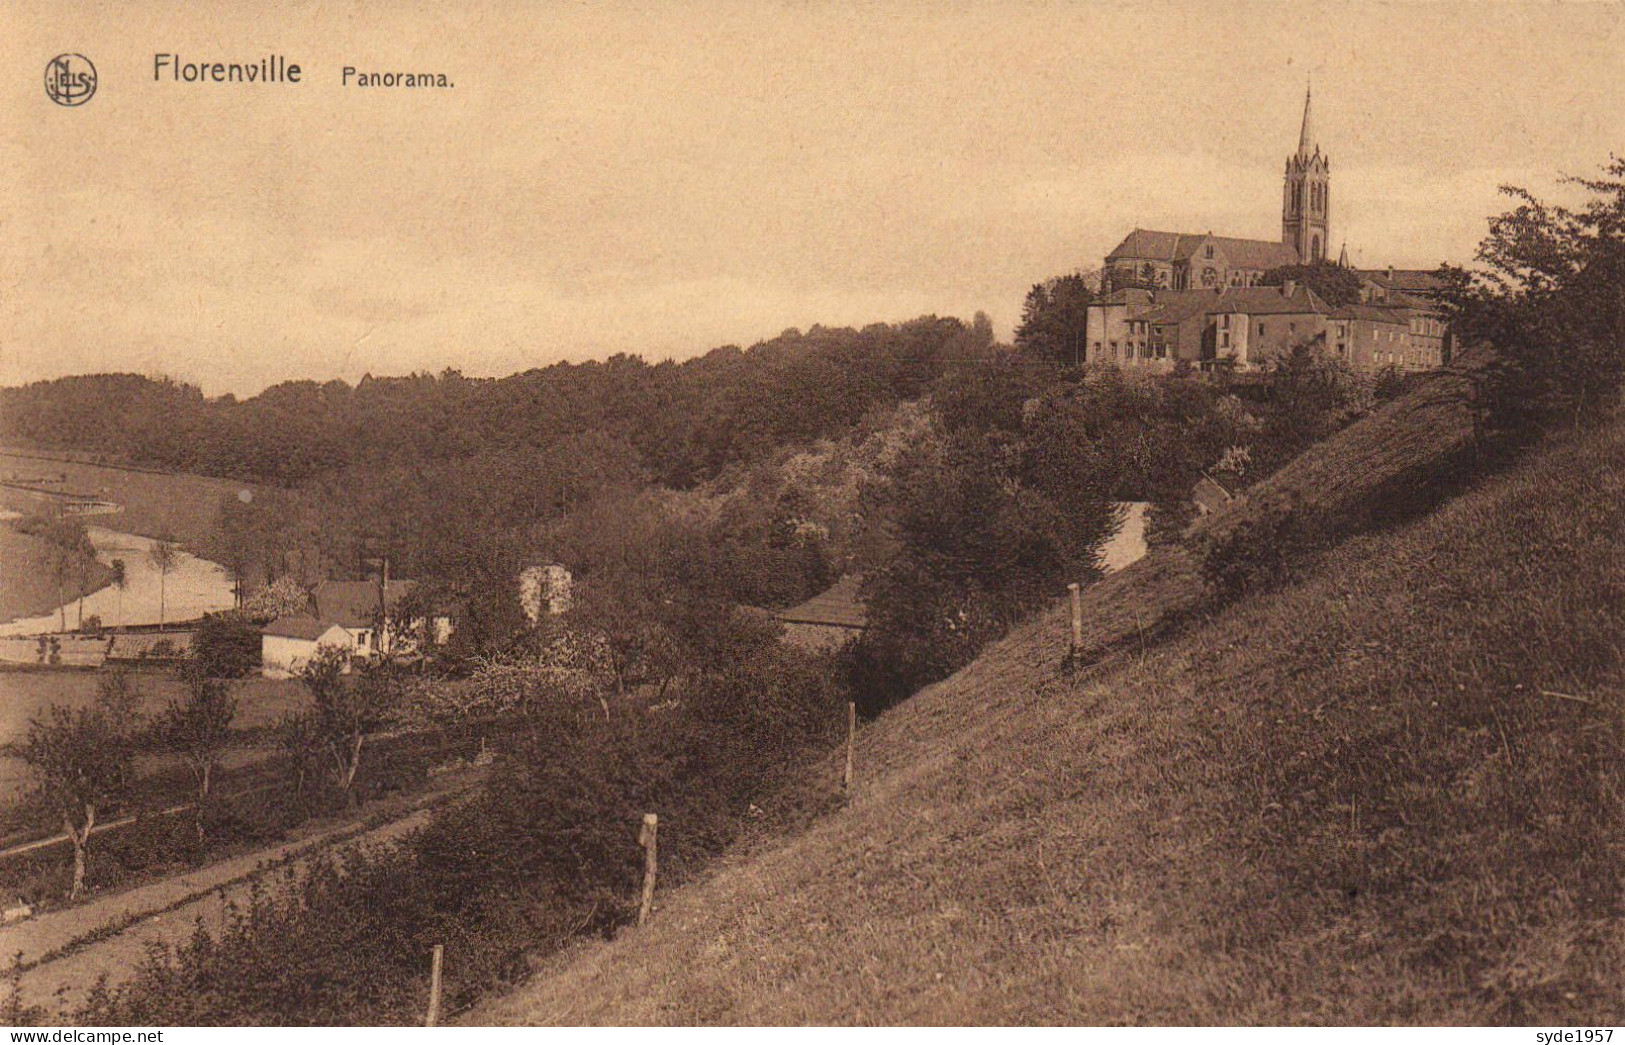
(851, 740)
(1077, 616)
(648, 838)
(434, 987)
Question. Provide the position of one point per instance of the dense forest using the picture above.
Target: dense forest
(678, 423)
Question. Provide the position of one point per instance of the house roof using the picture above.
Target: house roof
(1265, 301)
(297, 626)
(840, 606)
(1176, 306)
(1127, 296)
(1150, 245)
(1372, 313)
(1415, 281)
(1211, 494)
(354, 604)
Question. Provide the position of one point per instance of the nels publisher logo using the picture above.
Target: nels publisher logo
(70, 79)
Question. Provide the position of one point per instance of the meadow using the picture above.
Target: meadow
(184, 507)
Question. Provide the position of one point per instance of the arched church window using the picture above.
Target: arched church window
(1210, 276)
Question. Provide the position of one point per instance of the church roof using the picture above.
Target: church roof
(1150, 245)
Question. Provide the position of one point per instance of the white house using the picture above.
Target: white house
(544, 588)
(287, 644)
(354, 616)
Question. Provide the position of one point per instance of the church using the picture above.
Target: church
(1194, 261)
(1197, 298)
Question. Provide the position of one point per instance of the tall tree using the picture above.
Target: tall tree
(197, 727)
(348, 707)
(1054, 319)
(164, 555)
(1547, 295)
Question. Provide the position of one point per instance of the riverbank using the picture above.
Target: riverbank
(28, 579)
(191, 587)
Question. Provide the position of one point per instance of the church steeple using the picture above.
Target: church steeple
(1307, 146)
(1306, 199)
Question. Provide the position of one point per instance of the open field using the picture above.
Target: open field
(25, 694)
(185, 506)
(1388, 791)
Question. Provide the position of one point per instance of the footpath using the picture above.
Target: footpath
(64, 952)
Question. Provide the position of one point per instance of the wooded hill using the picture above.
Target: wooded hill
(679, 422)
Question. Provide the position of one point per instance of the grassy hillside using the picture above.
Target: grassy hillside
(1386, 791)
(155, 503)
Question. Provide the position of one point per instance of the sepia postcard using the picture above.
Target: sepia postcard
(749, 513)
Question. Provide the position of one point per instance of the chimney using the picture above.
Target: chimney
(1390, 273)
(1288, 287)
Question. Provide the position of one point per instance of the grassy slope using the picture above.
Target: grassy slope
(155, 503)
(1344, 802)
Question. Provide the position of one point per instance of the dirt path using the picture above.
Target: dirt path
(168, 911)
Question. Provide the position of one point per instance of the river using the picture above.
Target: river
(193, 587)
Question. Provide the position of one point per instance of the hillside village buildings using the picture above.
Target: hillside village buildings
(1197, 298)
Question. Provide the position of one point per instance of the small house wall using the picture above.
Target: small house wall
(819, 636)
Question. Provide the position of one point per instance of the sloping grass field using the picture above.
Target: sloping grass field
(185, 507)
(1385, 790)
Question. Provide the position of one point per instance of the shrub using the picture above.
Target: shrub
(226, 645)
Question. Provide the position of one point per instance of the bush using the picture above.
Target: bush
(226, 646)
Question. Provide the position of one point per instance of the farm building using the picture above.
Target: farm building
(288, 643)
(1209, 495)
(544, 589)
(355, 616)
(829, 619)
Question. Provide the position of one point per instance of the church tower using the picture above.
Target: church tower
(1306, 202)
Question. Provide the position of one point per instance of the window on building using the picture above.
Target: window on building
(1207, 252)
(1260, 330)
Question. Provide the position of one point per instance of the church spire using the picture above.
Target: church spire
(1343, 257)
(1306, 137)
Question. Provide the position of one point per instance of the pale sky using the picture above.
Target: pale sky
(665, 178)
